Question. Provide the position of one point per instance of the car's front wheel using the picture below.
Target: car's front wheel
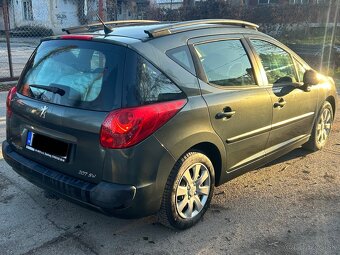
(321, 128)
(188, 191)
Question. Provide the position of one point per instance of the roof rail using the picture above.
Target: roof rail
(97, 26)
(184, 26)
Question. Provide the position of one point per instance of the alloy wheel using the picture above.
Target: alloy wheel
(193, 191)
(324, 126)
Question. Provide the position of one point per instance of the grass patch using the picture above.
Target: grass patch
(311, 35)
(337, 73)
(314, 40)
(336, 77)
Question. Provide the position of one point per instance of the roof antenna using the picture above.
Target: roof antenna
(107, 30)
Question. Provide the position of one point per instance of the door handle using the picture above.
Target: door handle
(281, 103)
(226, 114)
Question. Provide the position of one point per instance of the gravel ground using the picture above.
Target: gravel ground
(291, 206)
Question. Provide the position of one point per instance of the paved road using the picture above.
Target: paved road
(289, 207)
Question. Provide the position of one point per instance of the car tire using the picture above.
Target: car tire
(188, 191)
(321, 129)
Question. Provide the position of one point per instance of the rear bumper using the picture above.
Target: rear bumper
(105, 196)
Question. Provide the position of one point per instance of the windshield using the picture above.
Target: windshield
(73, 73)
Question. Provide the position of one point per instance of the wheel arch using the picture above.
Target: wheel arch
(208, 143)
(213, 153)
(331, 100)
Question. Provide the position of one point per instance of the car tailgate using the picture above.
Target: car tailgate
(65, 139)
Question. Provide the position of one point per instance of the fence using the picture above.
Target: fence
(24, 22)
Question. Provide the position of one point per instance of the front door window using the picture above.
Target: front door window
(277, 63)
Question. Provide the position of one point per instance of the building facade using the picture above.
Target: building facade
(53, 14)
(57, 14)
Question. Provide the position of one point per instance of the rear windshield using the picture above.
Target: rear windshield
(81, 74)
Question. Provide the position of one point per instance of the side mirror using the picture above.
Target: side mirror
(311, 77)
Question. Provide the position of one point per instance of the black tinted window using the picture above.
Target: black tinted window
(226, 63)
(79, 74)
(277, 63)
(145, 84)
(152, 85)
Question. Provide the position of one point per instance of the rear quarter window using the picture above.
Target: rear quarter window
(182, 56)
(146, 84)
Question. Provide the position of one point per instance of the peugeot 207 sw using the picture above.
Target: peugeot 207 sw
(144, 117)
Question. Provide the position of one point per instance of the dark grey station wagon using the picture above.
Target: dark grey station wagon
(145, 117)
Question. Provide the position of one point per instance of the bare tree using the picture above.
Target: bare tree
(188, 3)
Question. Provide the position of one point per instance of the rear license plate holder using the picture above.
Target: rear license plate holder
(47, 146)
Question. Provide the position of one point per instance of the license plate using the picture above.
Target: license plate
(47, 146)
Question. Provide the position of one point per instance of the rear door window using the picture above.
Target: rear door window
(73, 73)
(226, 63)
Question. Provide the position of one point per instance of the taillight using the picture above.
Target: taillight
(126, 127)
(10, 95)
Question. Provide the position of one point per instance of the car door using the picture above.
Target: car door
(294, 107)
(240, 108)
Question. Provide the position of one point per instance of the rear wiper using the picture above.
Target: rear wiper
(53, 89)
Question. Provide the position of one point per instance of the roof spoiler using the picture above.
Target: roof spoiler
(98, 26)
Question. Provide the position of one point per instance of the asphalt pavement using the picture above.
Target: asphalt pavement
(291, 206)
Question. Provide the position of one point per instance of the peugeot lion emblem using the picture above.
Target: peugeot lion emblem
(43, 111)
